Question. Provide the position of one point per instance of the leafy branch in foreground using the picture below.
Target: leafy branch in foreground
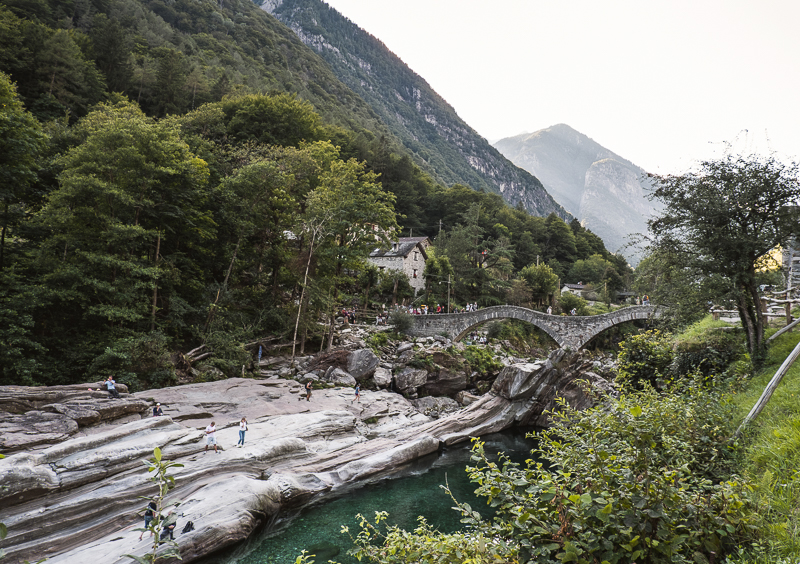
(159, 524)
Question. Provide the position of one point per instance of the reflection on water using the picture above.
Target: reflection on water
(411, 491)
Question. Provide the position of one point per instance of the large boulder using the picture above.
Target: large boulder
(382, 377)
(410, 378)
(361, 364)
(445, 382)
(522, 381)
(436, 407)
(339, 377)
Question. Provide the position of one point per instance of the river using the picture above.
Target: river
(411, 491)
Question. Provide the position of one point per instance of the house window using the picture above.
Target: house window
(415, 273)
(415, 255)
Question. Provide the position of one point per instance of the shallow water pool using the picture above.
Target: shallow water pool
(412, 491)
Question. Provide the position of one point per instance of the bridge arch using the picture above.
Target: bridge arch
(568, 331)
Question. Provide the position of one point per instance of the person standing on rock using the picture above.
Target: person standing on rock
(211, 437)
(309, 385)
(242, 429)
(149, 513)
(549, 310)
(358, 393)
(111, 387)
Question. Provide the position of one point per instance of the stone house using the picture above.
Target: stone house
(407, 255)
(577, 289)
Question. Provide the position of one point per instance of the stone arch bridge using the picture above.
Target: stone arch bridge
(568, 331)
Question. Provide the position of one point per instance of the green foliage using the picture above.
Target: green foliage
(541, 280)
(707, 347)
(164, 481)
(401, 321)
(141, 362)
(644, 360)
(481, 359)
(377, 340)
(425, 545)
(644, 478)
(569, 301)
(772, 458)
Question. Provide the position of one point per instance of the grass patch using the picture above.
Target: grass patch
(772, 457)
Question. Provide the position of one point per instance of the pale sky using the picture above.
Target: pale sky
(661, 83)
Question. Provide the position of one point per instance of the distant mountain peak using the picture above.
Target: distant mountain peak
(604, 191)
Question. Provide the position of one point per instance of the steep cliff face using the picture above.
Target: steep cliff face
(606, 192)
(426, 124)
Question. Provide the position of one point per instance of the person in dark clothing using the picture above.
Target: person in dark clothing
(149, 513)
(309, 385)
(157, 411)
(169, 526)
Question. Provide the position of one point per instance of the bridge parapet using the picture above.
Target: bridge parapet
(568, 331)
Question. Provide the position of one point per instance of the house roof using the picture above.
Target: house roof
(575, 286)
(402, 248)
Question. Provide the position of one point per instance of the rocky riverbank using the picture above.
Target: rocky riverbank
(70, 486)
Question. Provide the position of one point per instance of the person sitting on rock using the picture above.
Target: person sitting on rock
(111, 387)
(157, 411)
(168, 528)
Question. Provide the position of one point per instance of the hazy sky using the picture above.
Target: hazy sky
(661, 83)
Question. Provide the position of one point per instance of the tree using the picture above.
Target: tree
(360, 212)
(541, 280)
(21, 142)
(724, 218)
(120, 229)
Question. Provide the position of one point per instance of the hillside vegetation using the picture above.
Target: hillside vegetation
(179, 174)
(441, 142)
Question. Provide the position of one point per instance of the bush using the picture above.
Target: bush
(377, 340)
(567, 302)
(706, 347)
(639, 480)
(481, 360)
(401, 321)
(140, 362)
(644, 359)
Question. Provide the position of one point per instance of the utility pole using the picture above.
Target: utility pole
(448, 293)
(440, 227)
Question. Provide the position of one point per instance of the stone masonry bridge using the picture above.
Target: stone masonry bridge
(568, 331)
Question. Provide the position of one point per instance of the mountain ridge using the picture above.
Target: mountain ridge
(424, 122)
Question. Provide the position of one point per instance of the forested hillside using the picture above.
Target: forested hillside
(156, 200)
(425, 123)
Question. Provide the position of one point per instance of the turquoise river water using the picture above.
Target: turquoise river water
(411, 491)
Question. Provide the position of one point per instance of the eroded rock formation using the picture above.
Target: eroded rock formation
(74, 497)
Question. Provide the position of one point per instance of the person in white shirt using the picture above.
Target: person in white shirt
(242, 429)
(211, 437)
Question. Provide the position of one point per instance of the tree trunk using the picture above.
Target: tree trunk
(155, 288)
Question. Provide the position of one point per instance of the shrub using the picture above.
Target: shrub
(706, 347)
(140, 362)
(401, 321)
(638, 480)
(644, 359)
(567, 302)
(377, 340)
(481, 360)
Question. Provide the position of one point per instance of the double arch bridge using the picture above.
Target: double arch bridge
(568, 331)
